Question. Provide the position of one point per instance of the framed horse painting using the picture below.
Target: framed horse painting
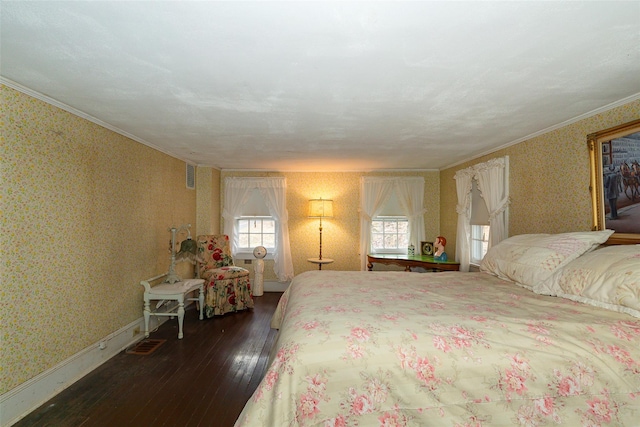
(615, 181)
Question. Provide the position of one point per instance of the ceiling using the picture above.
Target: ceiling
(324, 86)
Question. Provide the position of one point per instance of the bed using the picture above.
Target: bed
(547, 333)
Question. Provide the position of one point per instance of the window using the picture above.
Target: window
(492, 177)
(256, 231)
(389, 234)
(479, 225)
(261, 203)
(255, 227)
(479, 242)
(393, 215)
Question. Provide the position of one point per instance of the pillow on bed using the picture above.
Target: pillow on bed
(528, 259)
(608, 278)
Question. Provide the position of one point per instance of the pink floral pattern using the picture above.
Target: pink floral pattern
(456, 349)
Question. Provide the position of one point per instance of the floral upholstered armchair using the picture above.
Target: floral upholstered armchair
(227, 287)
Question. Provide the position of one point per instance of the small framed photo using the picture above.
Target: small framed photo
(426, 248)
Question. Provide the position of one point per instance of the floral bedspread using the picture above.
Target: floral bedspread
(444, 349)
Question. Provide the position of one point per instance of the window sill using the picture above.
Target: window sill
(474, 267)
(390, 253)
(249, 255)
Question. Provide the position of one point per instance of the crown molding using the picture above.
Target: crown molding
(51, 101)
(576, 119)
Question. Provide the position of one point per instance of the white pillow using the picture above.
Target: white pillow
(529, 259)
(608, 278)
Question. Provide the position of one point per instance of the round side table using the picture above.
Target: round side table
(320, 262)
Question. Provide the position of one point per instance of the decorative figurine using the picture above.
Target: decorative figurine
(411, 250)
(258, 281)
(439, 244)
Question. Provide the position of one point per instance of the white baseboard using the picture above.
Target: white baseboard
(275, 286)
(28, 396)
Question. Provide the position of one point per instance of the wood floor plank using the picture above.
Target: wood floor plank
(202, 380)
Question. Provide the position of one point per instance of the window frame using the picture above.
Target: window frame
(389, 218)
(247, 252)
(476, 242)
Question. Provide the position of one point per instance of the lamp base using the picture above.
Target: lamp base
(172, 278)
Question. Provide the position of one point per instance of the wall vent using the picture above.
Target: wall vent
(191, 176)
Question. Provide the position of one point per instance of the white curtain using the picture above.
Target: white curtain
(493, 182)
(494, 189)
(237, 192)
(410, 192)
(274, 192)
(463, 233)
(375, 191)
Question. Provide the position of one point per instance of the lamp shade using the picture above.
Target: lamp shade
(188, 250)
(320, 208)
(188, 246)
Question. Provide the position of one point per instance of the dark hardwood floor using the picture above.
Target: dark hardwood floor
(202, 380)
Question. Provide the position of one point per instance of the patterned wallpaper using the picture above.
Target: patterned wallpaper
(340, 234)
(85, 217)
(207, 201)
(85, 213)
(549, 179)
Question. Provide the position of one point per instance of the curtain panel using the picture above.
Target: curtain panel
(493, 182)
(463, 232)
(273, 190)
(374, 193)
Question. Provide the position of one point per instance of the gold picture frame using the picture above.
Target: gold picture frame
(426, 248)
(611, 152)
